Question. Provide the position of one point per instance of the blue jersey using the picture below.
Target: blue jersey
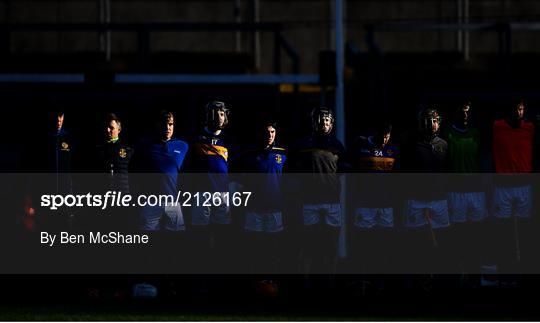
(164, 158)
(269, 160)
(210, 154)
(266, 165)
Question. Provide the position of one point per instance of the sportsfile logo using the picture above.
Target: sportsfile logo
(109, 199)
(119, 199)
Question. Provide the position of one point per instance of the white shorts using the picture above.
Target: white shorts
(264, 221)
(420, 213)
(168, 218)
(510, 201)
(367, 218)
(467, 206)
(331, 212)
(204, 215)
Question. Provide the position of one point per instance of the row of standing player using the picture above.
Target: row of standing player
(322, 153)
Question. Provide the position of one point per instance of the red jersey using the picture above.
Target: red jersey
(513, 148)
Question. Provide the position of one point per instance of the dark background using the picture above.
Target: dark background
(403, 72)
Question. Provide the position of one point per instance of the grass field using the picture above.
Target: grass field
(111, 314)
(42, 300)
(373, 311)
(123, 314)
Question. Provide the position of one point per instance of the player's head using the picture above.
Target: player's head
(383, 132)
(113, 126)
(268, 133)
(57, 117)
(429, 121)
(463, 114)
(217, 115)
(165, 125)
(322, 120)
(518, 110)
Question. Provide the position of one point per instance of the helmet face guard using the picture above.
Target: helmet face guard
(318, 120)
(212, 115)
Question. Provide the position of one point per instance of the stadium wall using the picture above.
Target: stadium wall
(308, 25)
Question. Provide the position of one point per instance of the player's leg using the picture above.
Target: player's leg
(198, 240)
(457, 211)
(310, 237)
(225, 238)
(385, 239)
(361, 236)
(475, 234)
(253, 246)
(523, 229)
(503, 229)
(273, 228)
(418, 237)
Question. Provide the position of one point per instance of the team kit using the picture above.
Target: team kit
(392, 226)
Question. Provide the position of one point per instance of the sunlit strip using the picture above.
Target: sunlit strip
(41, 78)
(217, 78)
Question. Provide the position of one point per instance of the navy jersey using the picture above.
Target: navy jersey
(318, 154)
(322, 155)
(51, 155)
(374, 190)
(164, 158)
(55, 158)
(368, 157)
(210, 154)
(48, 153)
(427, 156)
(113, 159)
(58, 153)
(266, 165)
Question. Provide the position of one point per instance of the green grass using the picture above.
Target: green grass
(151, 314)
(183, 312)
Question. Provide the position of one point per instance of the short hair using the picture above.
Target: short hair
(383, 126)
(512, 103)
(53, 114)
(269, 123)
(113, 117)
(460, 107)
(164, 116)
